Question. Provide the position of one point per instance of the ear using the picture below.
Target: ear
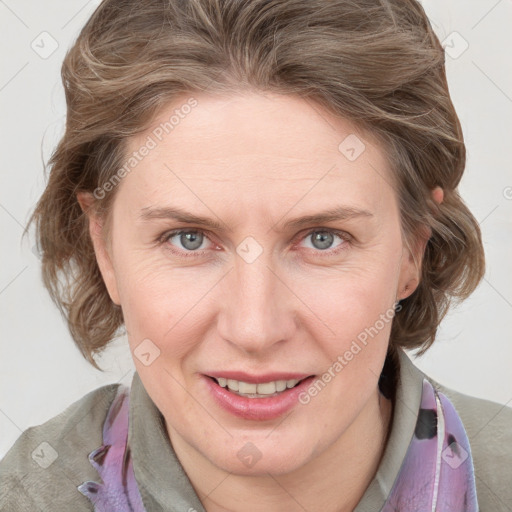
(438, 195)
(412, 258)
(411, 263)
(101, 249)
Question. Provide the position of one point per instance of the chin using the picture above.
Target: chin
(258, 454)
(275, 463)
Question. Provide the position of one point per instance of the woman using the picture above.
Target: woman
(264, 194)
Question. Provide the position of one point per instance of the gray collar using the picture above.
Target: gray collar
(405, 414)
(164, 485)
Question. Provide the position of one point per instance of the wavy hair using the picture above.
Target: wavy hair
(377, 63)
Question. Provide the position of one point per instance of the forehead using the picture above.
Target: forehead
(255, 148)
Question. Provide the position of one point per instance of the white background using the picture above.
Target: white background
(41, 371)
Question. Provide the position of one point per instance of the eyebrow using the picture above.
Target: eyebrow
(180, 215)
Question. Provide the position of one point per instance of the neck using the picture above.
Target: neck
(334, 481)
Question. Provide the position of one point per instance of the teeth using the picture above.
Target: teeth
(280, 385)
(291, 383)
(257, 390)
(266, 388)
(246, 388)
(232, 384)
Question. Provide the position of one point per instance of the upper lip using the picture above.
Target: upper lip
(258, 379)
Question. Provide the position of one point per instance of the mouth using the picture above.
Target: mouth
(257, 398)
(258, 390)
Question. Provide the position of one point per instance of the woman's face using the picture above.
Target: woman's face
(260, 291)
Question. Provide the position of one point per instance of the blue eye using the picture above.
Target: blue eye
(189, 242)
(323, 239)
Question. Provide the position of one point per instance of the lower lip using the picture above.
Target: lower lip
(259, 409)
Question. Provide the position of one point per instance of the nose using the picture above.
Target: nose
(258, 312)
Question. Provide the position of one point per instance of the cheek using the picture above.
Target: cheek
(148, 293)
(354, 310)
(351, 298)
(163, 303)
(355, 316)
(338, 303)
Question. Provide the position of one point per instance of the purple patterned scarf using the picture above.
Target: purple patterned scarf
(437, 474)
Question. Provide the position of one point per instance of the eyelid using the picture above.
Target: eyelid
(346, 237)
(306, 232)
(166, 236)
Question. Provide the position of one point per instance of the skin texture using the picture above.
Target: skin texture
(253, 162)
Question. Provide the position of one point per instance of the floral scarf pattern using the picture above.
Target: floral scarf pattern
(437, 474)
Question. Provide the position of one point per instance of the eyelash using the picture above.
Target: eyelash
(165, 237)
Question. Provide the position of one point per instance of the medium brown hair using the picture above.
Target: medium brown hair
(376, 63)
